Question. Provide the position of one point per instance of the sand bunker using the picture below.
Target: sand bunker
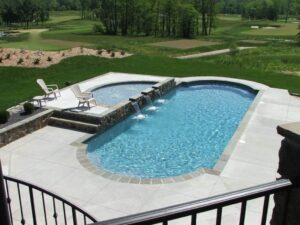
(43, 59)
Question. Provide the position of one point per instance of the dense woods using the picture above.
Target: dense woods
(25, 11)
(184, 18)
(171, 18)
(260, 9)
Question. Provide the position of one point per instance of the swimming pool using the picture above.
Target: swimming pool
(188, 132)
(113, 94)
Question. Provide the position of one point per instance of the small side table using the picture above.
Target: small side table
(39, 100)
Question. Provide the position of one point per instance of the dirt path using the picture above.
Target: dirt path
(211, 53)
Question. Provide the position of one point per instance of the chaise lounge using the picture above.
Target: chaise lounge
(83, 97)
(48, 89)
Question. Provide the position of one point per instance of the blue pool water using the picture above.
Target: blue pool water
(188, 132)
(114, 94)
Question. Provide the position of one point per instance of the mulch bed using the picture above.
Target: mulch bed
(16, 117)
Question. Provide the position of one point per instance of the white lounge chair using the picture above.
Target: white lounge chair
(48, 89)
(83, 97)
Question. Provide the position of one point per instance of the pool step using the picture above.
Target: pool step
(74, 125)
(77, 117)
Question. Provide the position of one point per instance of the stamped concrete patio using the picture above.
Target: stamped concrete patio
(47, 158)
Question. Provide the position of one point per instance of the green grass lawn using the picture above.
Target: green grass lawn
(67, 30)
(33, 41)
(275, 57)
(62, 16)
(284, 29)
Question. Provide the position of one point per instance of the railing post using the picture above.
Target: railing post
(287, 207)
(4, 218)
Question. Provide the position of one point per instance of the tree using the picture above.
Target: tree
(266, 9)
(25, 11)
(287, 10)
(187, 25)
(298, 35)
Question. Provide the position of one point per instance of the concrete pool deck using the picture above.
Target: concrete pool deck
(48, 158)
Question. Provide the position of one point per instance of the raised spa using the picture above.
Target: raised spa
(113, 94)
(189, 131)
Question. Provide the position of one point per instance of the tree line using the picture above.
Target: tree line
(260, 9)
(182, 18)
(171, 18)
(25, 11)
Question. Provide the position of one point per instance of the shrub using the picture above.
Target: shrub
(112, 54)
(4, 116)
(233, 49)
(1, 59)
(68, 83)
(28, 108)
(99, 52)
(7, 56)
(123, 52)
(20, 61)
(63, 54)
(99, 28)
(49, 59)
(36, 61)
(108, 51)
(81, 49)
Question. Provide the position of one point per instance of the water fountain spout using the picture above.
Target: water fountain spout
(136, 106)
(158, 93)
(149, 102)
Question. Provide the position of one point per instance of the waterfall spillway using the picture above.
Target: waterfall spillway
(158, 93)
(149, 102)
(136, 106)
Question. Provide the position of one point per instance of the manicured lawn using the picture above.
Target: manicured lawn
(284, 29)
(184, 44)
(63, 16)
(20, 83)
(275, 57)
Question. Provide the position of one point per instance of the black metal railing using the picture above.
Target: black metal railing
(30, 204)
(192, 209)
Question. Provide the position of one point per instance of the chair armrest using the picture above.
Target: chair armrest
(82, 98)
(53, 85)
(87, 94)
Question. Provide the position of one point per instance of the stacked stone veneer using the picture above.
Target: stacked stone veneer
(289, 168)
(24, 127)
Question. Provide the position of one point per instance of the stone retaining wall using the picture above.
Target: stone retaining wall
(24, 127)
